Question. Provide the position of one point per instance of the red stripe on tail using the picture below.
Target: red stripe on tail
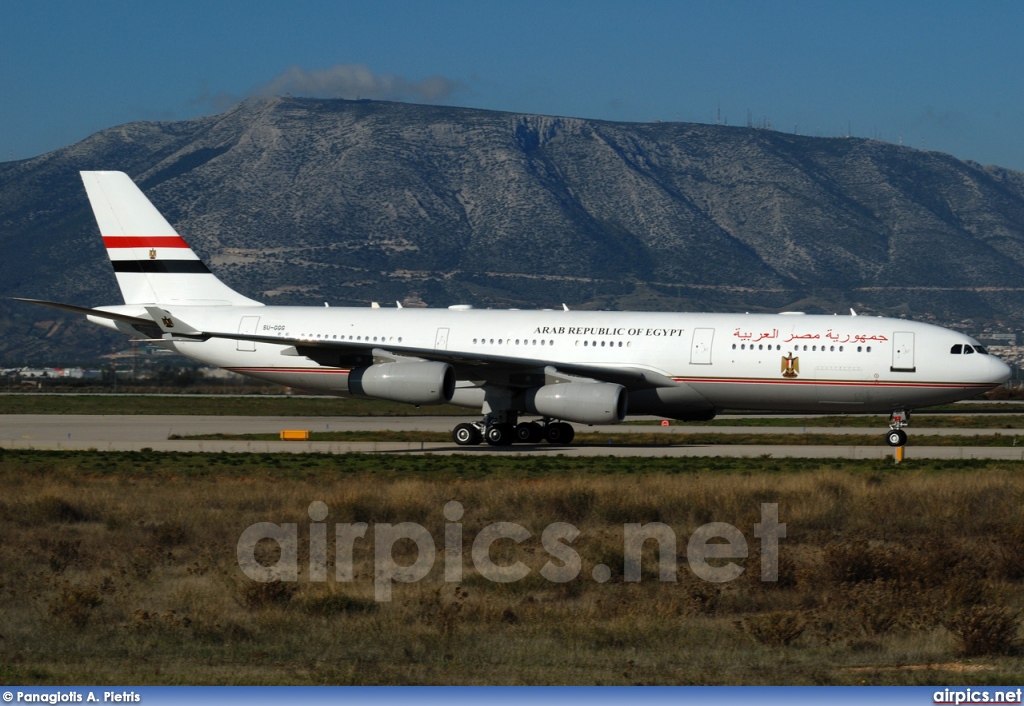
(145, 241)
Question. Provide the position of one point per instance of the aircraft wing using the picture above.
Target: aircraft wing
(477, 366)
(164, 327)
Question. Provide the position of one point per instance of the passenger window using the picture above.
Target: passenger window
(957, 349)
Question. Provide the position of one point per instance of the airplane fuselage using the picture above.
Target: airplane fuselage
(789, 362)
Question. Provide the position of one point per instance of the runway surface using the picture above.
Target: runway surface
(135, 432)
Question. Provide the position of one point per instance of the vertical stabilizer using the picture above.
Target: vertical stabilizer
(152, 263)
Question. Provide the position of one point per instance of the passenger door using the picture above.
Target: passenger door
(700, 349)
(248, 324)
(903, 352)
(441, 341)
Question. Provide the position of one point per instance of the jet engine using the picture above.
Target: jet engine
(411, 383)
(583, 402)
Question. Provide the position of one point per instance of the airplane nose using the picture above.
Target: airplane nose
(1000, 371)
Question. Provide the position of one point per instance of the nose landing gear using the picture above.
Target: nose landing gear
(896, 437)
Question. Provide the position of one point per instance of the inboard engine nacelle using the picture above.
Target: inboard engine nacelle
(412, 383)
(584, 402)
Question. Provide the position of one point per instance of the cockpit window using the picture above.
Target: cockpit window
(968, 349)
(981, 350)
(957, 349)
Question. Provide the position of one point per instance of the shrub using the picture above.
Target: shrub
(703, 598)
(575, 505)
(878, 606)
(443, 611)
(170, 534)
(257, 595)
(63, 552)
(151, 620)
(75, 604)
(326, 604)
(776, 629)
(984, 630)
(1010, 557)
(858, 561)
(789, 575)
(52, 509)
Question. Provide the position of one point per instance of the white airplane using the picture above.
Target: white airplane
(588, 367)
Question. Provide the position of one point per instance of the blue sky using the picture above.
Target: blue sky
(947, 76)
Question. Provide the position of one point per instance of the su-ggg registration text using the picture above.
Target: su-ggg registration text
(714, 540)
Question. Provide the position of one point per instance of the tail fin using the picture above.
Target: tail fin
(152, 263)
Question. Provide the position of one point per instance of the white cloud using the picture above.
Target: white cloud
(351, 81)
(357, 81)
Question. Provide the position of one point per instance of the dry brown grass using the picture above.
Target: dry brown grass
(130, 577)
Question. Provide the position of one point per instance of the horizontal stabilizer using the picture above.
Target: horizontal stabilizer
(99, 313)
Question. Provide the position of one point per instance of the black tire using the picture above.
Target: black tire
(529, 433)
(500, 435)
(896, 438)
(559, 433)
(466, 435)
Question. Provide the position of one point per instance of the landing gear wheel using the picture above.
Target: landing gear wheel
(896, 438)
(500, 435)
(466, 435)
(529, 433)
(559, 433)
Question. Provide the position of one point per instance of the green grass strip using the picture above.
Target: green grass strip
(18, 464)
(643, 439)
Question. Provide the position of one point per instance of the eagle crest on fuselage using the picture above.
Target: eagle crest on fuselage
(790, 366)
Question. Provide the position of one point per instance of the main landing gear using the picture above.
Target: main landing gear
(507, 432)
(896, 436)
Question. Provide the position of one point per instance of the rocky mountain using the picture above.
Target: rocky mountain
(301, 201)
